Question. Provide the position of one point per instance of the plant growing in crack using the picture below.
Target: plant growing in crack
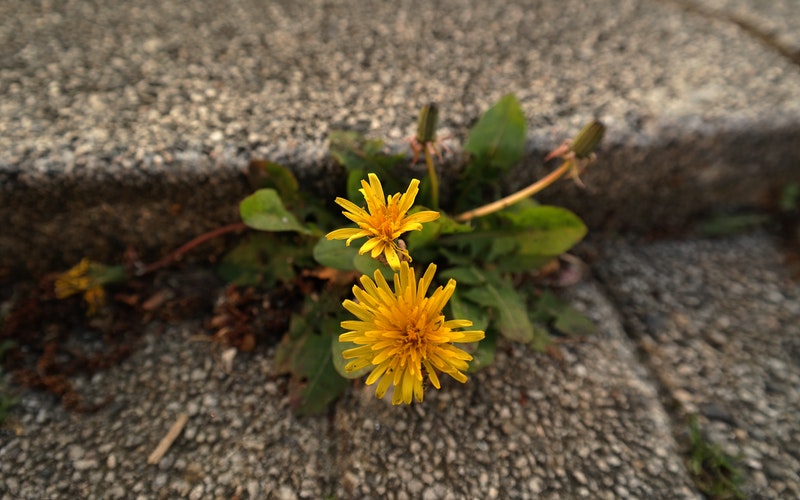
(471, 256)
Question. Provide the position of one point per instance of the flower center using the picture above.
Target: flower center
(388, 221)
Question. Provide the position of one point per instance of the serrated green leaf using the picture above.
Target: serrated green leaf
(264, 210)
(541, 339)
(315, 383)
(511, 317)
(305, 354)
(264, 259)
(499, 136)
(337, 348)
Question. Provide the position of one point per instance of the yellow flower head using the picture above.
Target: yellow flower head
(87, 277)
(403, 334)
(384, 221)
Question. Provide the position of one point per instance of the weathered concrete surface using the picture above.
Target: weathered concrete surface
(694, 327)
(131, 124)
(526, 427)
(718, 323)
(773, 21)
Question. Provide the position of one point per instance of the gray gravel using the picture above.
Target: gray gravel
(526, 427)
(719, 325)
(131, 123)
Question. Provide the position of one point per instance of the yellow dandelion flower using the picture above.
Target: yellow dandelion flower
(403, 334)
(88, 277)
(384, 221)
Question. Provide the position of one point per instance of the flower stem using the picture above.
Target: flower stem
(518, 196)
(177, 254)
(433, 178)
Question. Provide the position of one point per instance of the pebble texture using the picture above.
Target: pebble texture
(131, 123)
(526, 427)
(718, 322)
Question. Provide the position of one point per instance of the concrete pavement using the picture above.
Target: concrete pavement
(132, 125)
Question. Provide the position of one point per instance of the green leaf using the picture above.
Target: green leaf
(499, 136)
(723, 224)
(511, 311)
(361, 156)
(305, 353)
(464, 309)
(354, 178)
(563, 317)
(352, 150)
(570, 321)
(431, 231)
(483, 355)
(264, 259)
(337, 348)
(335, 254)
(523, 238)
(266, 174)
(545, 230)
(244, 265)
(264, 210)
(465, 275)
(367, 265)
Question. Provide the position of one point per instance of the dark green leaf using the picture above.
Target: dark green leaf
(264, 210)
(305, 353)
(721, 225)
(244, 265)
(264, 259)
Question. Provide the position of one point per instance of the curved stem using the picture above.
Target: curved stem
(177, 254)
(516, 197)
(433, 178)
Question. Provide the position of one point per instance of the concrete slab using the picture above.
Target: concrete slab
(718, 322)
(526, 427)
(775, 22)
(131, 124)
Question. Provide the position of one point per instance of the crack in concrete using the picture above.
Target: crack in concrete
(767, 39)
